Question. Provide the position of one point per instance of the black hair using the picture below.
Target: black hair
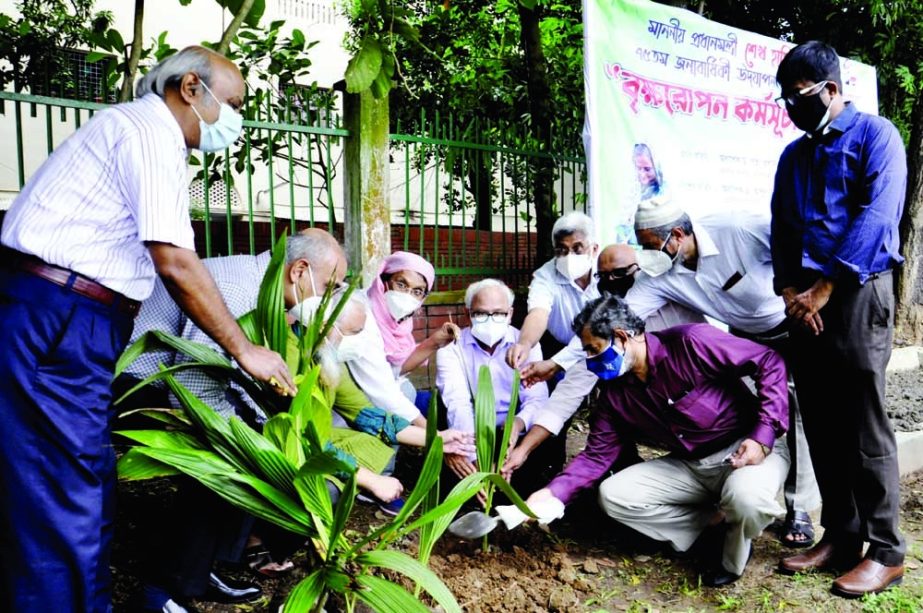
(605, 314)
(812, 61)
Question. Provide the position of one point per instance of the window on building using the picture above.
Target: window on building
(75, 78)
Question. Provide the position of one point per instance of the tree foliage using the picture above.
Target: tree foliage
(474, 63)
(32, 45)
(506, 72)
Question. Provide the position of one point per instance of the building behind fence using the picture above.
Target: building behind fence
(459, 194)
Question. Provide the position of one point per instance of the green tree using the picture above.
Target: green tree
(514, 66)
(32, 45)
(126, 62)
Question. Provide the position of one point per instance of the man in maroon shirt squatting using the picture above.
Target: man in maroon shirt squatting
(681, 390)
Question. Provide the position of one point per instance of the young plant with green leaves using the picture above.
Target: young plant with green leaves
(491, 454)
(280, 475)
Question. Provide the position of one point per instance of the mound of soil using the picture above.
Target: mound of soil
(904, 395)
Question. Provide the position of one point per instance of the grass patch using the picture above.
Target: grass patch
(895, 600)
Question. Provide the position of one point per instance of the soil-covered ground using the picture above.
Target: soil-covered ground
(905, 400)
(586, 562)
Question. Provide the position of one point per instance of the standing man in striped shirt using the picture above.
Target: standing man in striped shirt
(82, 244)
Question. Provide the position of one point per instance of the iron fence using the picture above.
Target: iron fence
(461, 192)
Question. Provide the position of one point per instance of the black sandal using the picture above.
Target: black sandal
(261, 561)
(797, 523)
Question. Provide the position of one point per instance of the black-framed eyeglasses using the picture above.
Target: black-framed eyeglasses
(795, 97)
(663, 247)
(402, 287)
(497, 316)
(616, 273)
(576, 249)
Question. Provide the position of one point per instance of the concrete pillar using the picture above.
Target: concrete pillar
(368, 213)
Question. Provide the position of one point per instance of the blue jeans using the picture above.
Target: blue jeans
(57, 467)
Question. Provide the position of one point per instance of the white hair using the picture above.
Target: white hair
(170, 71)
(326, 356)
(574, 222)
(330, 367)
(314, 247)
(475, 288)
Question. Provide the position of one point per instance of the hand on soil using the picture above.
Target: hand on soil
(386, 489)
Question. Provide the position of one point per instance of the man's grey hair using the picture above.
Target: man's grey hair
(475, 288)
(170, 71)
(605, 314)
(574, 222)
(313, 247)
(663, 232)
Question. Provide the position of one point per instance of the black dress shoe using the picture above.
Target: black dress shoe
(230, 591)
(719, 577)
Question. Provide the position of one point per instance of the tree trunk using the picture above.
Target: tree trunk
(540, 110)
(479, 169)
(232, 28)
(137, 42)
(908, 327)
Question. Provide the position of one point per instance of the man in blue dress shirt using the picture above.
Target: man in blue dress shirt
(838, 199)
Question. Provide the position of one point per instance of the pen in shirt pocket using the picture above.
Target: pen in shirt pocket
(732, 281)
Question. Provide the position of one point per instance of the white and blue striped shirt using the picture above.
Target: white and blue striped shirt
(238, 279)
(117, 182)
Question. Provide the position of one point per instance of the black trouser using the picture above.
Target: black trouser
(840, 376)
(201, 529)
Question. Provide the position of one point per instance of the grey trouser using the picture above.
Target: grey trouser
(840, 376)
(801, 492)
(673, 500)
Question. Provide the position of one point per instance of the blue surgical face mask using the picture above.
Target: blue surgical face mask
(221, 134)
(609, 364)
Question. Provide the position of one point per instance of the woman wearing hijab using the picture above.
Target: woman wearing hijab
(395, 295)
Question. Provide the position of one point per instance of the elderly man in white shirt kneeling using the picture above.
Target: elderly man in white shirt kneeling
(485, 342)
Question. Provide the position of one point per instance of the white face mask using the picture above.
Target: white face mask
(654, 263)
(351, 347)
(574, 266)
(221, 134)
(489, 332)
(304, 311)
(401, 305)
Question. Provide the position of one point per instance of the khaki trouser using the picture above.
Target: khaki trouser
(673, 500)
